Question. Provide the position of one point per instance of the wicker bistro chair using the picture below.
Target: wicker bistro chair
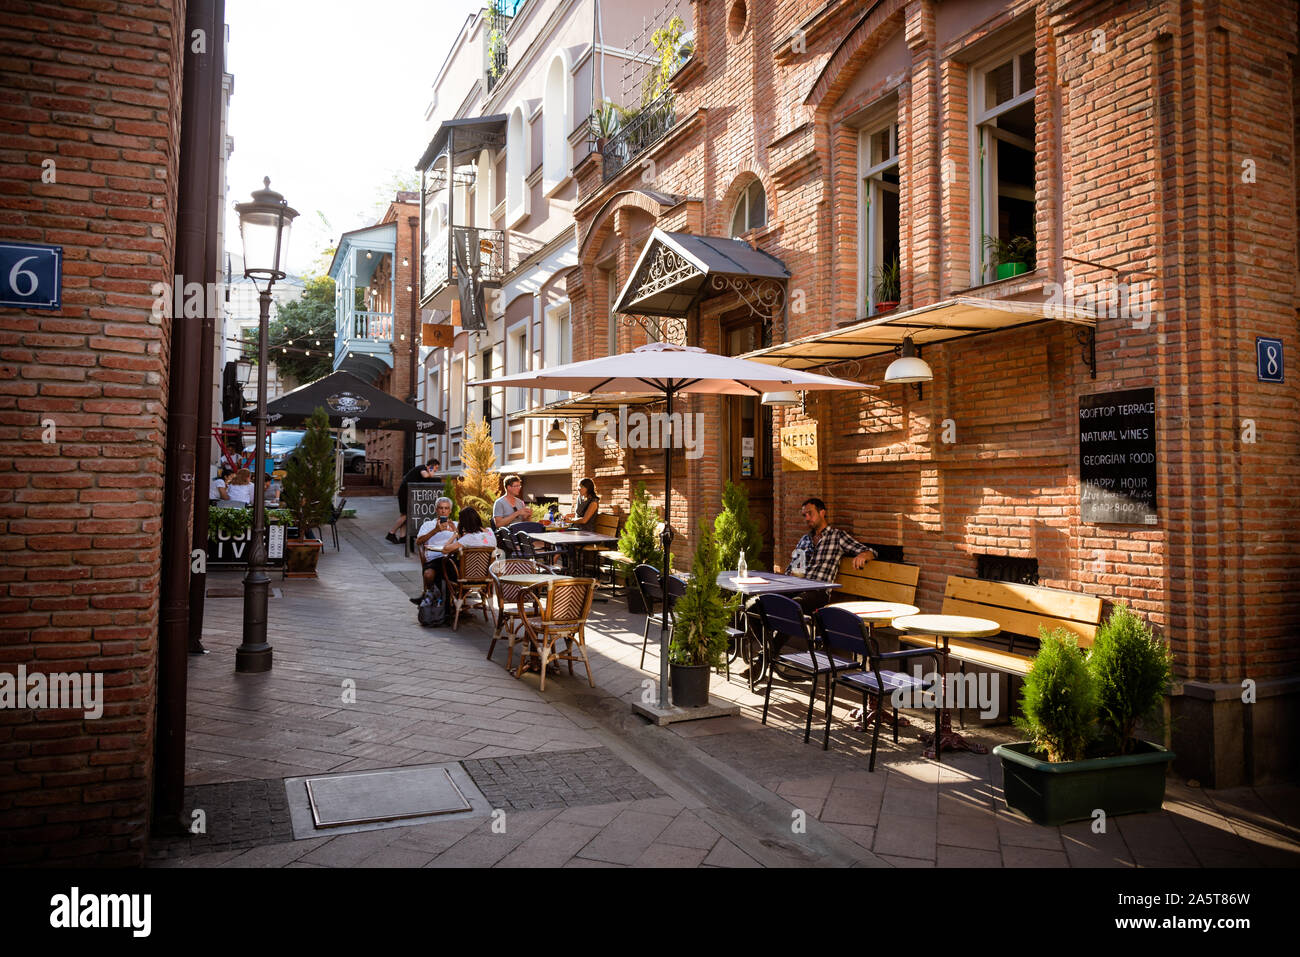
(845, 632)
(563, 617)
(508, 597)
(783, 616)
(472, 580)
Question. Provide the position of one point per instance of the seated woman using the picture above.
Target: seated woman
(583, 519)
(241, 487)
(218, 488)
(586, 505)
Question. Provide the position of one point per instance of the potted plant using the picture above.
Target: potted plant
(638, 543)
(735, 531)
(308, 494)
(699, 641)
(604, 123)
(1010, 257)
(888, 286)
(1067, 771)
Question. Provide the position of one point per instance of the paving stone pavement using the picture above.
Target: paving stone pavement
(357, 684)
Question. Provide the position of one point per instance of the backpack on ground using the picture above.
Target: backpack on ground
(433, 606)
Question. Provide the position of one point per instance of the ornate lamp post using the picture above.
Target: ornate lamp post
(264, 229)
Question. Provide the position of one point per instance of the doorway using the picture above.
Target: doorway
(747, 436)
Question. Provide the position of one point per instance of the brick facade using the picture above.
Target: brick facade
(1164, 146)
(97, 89)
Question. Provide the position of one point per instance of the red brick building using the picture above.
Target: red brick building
(1148, 153)
(91, 159)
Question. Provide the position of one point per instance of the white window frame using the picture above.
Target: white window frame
(871, 185)
(984, 158)
(557, 343)
(742, 202)
(517, 360)
(557, 118)
(517, 163)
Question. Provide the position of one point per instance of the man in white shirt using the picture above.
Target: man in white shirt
(435, 533)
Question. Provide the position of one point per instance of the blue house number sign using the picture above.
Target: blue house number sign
(31, 276)
(1268, 359)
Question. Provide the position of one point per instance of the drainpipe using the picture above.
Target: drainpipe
(413, 224)
(200, 72)
(207, 340)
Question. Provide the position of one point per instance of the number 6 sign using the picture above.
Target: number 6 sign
(31, 276)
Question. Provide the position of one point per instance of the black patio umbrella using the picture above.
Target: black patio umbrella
(344, 396)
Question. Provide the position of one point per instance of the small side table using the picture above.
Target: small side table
(946, 627)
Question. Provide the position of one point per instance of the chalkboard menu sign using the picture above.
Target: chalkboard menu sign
(1117, 457)
(421, 505)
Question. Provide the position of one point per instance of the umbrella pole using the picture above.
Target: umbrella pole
(666, 540)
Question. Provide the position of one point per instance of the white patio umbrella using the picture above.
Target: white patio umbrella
(669, 369)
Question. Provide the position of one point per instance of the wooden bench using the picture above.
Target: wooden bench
(1021, 610)
(877, 581)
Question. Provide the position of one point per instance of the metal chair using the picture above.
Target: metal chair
(783, 616)
(335, 515)
(563, 617)
(505, 541)
(508, 596)
(845, 632)
(525, 547)
(472, 580)
(647, 582)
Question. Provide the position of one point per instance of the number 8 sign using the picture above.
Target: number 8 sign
(31, 276)
(1268, 360)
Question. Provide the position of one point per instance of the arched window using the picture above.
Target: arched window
(557, 120)
(516, 169)
(483, 190)
(751, 209)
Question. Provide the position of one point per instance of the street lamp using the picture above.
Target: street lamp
(264, 230)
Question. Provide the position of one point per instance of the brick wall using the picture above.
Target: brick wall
(1145, 118)
(96, 88)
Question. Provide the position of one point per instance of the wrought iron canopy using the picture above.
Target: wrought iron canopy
(677, 270)
(472, 134)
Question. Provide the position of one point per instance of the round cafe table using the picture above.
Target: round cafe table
(946, 627)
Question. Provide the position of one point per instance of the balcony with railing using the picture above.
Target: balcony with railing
(363, 274)
(471, 249)
(637, 133)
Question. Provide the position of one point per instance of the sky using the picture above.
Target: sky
(329, 102)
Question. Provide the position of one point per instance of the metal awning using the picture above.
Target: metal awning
(676, 270)
(586, 406)
(944, 321)
(473, 134)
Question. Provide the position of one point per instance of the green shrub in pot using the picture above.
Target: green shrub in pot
(1059, 699)
(1131, 669)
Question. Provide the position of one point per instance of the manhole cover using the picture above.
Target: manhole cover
(371, 796)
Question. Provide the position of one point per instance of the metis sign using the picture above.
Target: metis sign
(799, 448)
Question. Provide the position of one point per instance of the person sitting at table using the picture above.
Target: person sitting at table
(241, 487)
(444, 541)
(511, 507)
(218, 488)
(824, 547)
(586, 505)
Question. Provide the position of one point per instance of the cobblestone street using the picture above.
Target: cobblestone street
(583, 782)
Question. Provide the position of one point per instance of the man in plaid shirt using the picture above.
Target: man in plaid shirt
(823, 548)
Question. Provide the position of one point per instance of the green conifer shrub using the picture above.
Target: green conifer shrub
(735, 530)
(308, 491)
(1131, 668)
(1059, 699)
(702, 613)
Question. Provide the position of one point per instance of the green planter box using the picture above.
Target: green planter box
(1007, 270)
(1071, 790)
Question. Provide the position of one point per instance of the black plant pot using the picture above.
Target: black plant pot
(690, 685)
(635, 603)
